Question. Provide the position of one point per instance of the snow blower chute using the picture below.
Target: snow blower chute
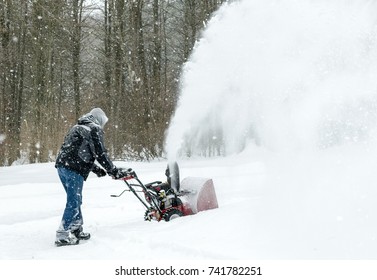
(171, 199)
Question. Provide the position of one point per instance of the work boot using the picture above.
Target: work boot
(71, 240)
(80, 235)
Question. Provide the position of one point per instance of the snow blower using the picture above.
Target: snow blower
(171, 199)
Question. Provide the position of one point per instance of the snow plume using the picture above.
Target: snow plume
(2, 138)
(287, 75)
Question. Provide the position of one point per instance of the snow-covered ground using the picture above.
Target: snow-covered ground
(270, 207)
(32, 201)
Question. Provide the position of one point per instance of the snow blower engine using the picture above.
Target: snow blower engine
(171, 199)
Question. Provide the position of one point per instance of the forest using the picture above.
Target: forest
(60, 58)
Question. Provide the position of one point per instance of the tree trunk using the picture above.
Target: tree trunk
(76, 53)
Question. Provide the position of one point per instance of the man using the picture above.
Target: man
(82, 146)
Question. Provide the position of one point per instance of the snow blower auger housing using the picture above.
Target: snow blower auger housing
(171, 199)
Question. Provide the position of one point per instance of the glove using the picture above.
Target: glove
(120, 173)
(99, 171)
(115, 173)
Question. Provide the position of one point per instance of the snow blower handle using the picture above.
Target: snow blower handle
(124, 173)
(127, 173)
(130, 173)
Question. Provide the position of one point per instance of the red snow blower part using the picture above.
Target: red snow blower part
(171, 199)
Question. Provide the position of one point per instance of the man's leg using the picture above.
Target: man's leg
(72, 217)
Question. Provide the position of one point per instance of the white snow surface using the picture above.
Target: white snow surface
(317, 207)
(291, 88)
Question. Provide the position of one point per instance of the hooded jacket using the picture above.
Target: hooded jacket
(84, 144)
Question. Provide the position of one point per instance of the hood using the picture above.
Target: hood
(97, 116)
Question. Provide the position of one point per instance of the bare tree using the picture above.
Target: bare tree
(77, 18)
(13, 22)
(60, 58)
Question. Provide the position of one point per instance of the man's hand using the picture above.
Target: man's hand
(121, 172)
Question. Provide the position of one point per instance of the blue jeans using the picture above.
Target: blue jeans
(72, 216)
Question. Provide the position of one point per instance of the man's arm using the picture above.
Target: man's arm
(100, 150)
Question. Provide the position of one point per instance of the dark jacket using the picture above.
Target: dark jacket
(82, 146)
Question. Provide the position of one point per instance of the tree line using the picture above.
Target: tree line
(60, 58)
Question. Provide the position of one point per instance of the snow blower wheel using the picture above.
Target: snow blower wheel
(172, 214)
